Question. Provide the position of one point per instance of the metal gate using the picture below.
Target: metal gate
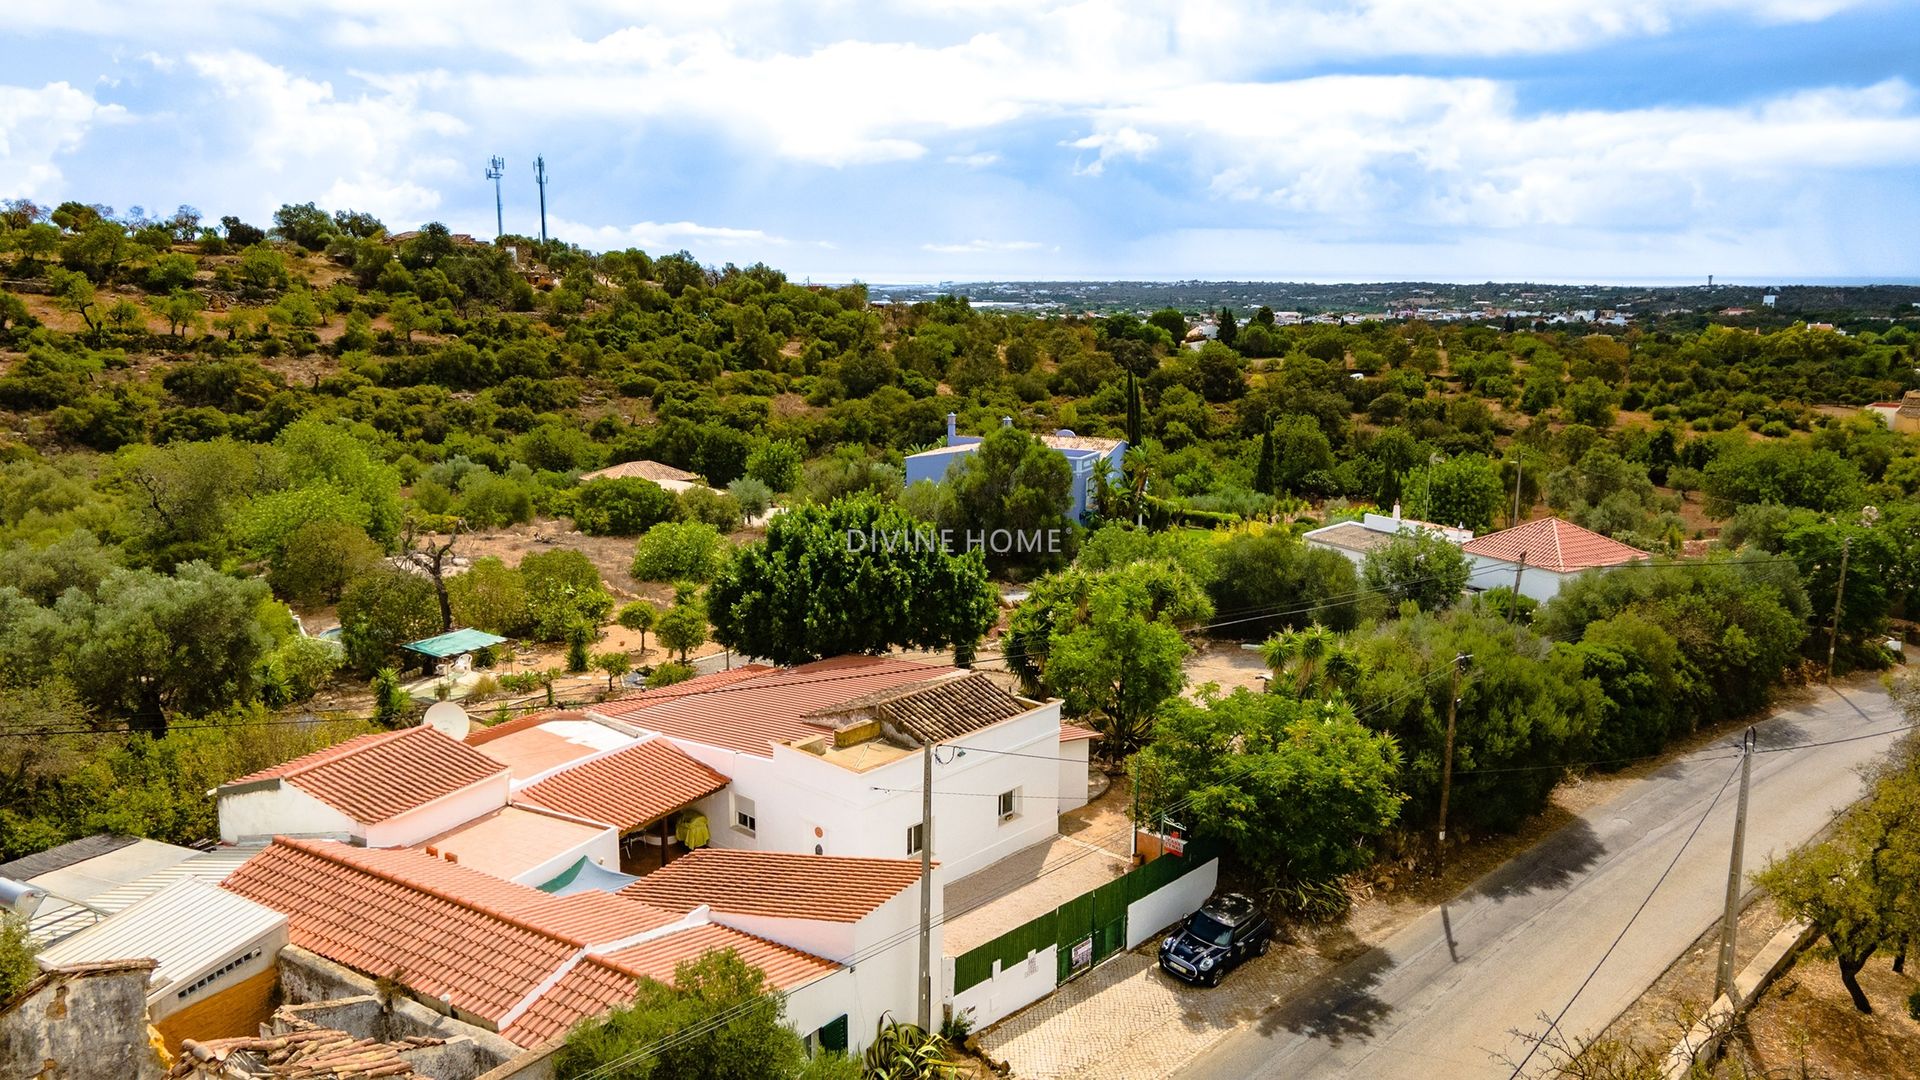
(1091, 927)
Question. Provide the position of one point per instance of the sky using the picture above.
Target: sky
(1338, 140)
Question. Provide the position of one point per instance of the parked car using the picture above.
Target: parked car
(1226, 930)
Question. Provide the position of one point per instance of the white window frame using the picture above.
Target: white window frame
(745, 820)
(915, 837)
(1009, 805)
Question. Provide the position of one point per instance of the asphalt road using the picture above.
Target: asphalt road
(1456, 992)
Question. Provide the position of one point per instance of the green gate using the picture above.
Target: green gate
(1110, 918)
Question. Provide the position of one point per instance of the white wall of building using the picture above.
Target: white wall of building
(603, 848)
(1011, 989)
(1491, 573)
(281, 810)
(812, 1006)
(1160, 909)
(1073, 773)
(447, 812)
(802, 802)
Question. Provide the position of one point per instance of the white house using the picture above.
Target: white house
(1546, 554)
(863, 914)
(1355, 539)
(822, 759)
(390, 789)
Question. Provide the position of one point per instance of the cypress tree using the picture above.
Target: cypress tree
(1133, 410)
(1263, 470)
(1229, 330)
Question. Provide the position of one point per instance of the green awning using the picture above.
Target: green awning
(455, 642)
(584, 876)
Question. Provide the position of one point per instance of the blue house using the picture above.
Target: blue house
(1092, 460)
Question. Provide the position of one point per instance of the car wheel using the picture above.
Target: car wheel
(1261, 949)
(1213, 978)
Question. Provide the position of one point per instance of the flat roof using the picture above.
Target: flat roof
(534, 750)
(111, 869)
(510, 841)
(454, 642)
(1350, 535)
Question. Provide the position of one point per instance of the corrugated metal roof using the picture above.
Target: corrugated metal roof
(211, 867)
(188, 927)
(87, 878)
(27, 867)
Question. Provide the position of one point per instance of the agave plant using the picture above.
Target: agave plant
(908, 1052)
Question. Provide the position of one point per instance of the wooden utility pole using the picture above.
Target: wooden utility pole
(1723, 976)
(1839, 596)
(1519, 571)
(1519, 467)
(926, 884)
(1446, 760)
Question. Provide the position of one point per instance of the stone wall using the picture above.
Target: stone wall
(80, 1022)
(321, 991)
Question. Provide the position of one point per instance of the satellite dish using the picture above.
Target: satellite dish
(450, 718)
(20, 898)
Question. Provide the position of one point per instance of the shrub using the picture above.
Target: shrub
(670, 673)
(719, 510)
(679, 551)
(622, 506)
(754, 497)
(318, 560)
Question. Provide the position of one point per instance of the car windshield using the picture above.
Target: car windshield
(1210, 930)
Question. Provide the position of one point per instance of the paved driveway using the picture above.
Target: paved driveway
(1127, 1020)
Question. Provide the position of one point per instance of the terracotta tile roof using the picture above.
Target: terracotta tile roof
(1075, 733)
(643, 470)
(1553, 544)
(828, 887)
(627, 788)
(510, 841)
(750, 714)
(481, 736)
(944, 707)
(599, 983)
(373, 778)
(484, 962)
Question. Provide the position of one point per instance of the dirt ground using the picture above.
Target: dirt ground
(1225, 664)
(1672, 1004)
(1807, 1016)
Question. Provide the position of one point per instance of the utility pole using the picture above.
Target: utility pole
(496, 168)
(1839, 595)
(1723, 977)
(540, 178)
(1519, 467)
(926, 883)
(1446, 759)
(1519, 571)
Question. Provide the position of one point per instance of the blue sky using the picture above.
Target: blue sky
(1630, 140)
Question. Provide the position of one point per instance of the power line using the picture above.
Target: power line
(1555, 1024)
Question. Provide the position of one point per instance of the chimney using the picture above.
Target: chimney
(452, 858)
(1006, 421)
(953, 427)
(1396, 512)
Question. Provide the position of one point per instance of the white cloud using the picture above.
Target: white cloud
(981, 247)
(37, 127)
(1120, 142)
(974, 161)
(380, 152)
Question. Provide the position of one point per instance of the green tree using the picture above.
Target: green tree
(1119, 663)
(73, 292)
(490, 596)
(181, 309)
(775, 463)
(683, 627)
(1310, 663)
(1295, 790)
(318, 560)
(1014, 488)
(563, 590)
(679, 551)
(1787, 472)
(383, 610)
(260, 270)
(1464, 491)
(1267, 581)
(1417, 566)
(304, 224)
(639, 617)
(737, 1017)
(1302, 456)
(614, 664)
(622, 506)
(853, 577)
(1170, 320)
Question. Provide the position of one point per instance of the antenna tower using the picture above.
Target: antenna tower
(540, 177)
(496, 168)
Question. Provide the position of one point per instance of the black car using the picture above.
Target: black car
(1226, 930)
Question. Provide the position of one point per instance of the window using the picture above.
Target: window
(1008, 801)
(743, 818)
(916, 836)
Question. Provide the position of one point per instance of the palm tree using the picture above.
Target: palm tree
(1313, 662)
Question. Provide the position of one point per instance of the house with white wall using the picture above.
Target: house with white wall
(824, 759)
(389, 789)
(1545, 554)
(1092, 459)
(1357, 539)
(863, 914)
